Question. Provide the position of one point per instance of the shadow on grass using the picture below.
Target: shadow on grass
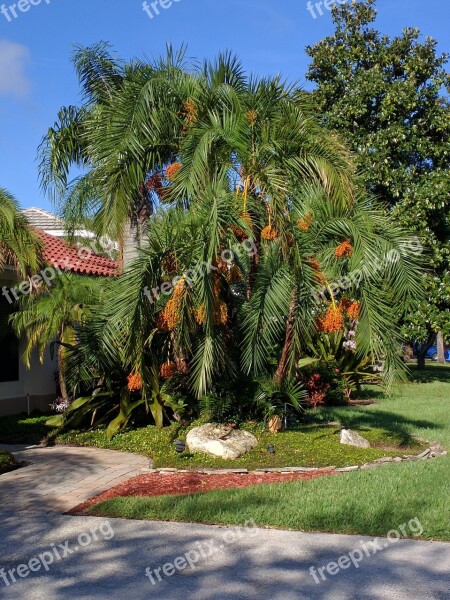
(359, 418)
(431, 374)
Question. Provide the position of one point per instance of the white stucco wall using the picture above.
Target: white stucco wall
(39, 380)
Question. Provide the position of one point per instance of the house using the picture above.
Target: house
(23, 389)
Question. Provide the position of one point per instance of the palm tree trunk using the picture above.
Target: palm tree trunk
(61, 374)
(286, 358)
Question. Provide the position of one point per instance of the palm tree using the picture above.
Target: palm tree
(206, 158)
(56, 315)
(19, 245)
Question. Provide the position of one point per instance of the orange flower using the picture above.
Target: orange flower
(332, 321)
(168, 370)
(344, 249)
(269, 233)
(353, 311)
(305, 223)
(172, 170)
(135, 382)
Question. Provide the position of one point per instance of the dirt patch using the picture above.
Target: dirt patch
(174, 484)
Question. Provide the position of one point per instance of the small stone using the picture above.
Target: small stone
(347, 469)
(424, 454)
(351, 438)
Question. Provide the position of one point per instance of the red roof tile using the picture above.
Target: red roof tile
(60, 254)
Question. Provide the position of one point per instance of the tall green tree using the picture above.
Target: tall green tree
(388, 98)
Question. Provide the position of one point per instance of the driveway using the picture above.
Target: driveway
(107, 560)
(47, 556)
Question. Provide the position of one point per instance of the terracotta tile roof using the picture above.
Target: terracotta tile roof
(60, 254)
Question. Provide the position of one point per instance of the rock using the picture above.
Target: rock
(351, 438)
(347, 469)
(220, 440)
(424, 454)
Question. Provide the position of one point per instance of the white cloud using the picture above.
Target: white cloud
(13, 60)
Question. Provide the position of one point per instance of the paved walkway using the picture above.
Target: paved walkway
(59, 478)
(252, 565)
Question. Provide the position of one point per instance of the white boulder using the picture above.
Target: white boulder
(351, 438)
(220, 440)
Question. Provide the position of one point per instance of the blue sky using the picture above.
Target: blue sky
(37, 78)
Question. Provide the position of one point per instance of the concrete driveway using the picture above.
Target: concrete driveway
(107, 560)
(47, 556)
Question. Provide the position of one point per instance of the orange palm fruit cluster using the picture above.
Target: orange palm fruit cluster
(221, 313)
(190, 112)
(332, 321)
(172, 170)
(353, 311)
(171, 313)
(344, 249)
(161, 323)
(239, 233)
(168, 370)
(135, 382)
(313, 263)
(200, 314)
(170, 263)
(305, 223)
(252, 115)
(269, 233)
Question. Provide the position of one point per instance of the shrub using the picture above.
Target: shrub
(324, 384)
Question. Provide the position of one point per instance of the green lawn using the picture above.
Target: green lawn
(370, 502)
(7, 462)
(313, 445)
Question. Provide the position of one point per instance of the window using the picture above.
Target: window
(9, 344)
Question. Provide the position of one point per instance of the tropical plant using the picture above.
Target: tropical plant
(19, 245)
(255, 211)
(54, 315)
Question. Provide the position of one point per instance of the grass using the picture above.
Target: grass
(7, 462)
(314, 445)
(366, 503)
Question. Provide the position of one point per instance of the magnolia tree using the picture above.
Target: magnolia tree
(388, 98)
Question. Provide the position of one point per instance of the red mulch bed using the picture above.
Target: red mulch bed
(158, 484)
